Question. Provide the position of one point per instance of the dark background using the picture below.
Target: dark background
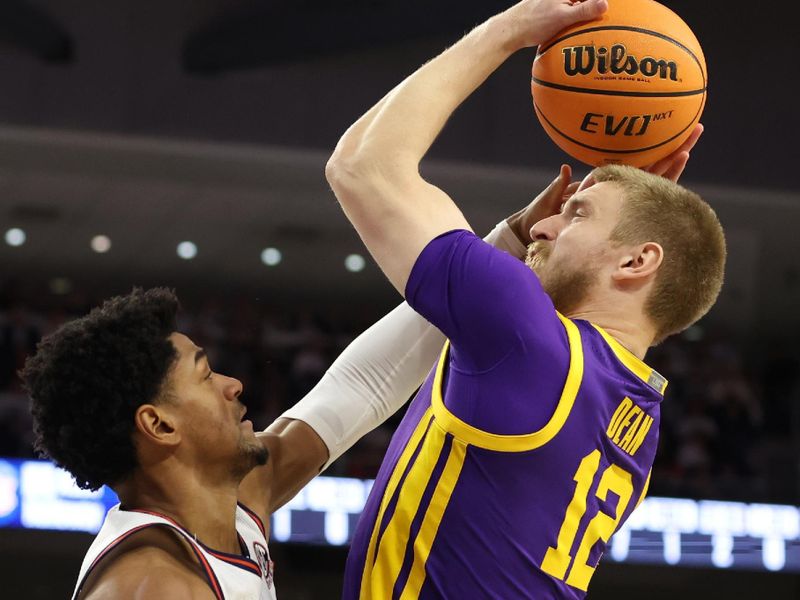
(297, 73)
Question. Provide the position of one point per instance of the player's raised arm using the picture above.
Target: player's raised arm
(374, 170)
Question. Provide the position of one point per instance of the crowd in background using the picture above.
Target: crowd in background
(730, 421)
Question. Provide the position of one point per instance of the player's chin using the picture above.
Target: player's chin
(260, 454)
(248, 437)
(256, 453)
(535, 263)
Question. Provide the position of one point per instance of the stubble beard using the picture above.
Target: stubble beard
(568, 288)
(252, 454)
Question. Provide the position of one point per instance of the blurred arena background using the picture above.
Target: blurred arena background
(127, 128)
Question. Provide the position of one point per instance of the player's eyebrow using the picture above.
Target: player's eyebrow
(199, 355)
(575, 203)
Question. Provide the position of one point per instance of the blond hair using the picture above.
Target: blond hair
(690, 276)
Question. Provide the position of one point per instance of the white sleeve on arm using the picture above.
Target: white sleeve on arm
(502, 238)
(375, 375)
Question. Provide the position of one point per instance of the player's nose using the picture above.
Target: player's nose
(546, 229)
(232, 387)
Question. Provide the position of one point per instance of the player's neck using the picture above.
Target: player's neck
(634, 332)
(206, 511)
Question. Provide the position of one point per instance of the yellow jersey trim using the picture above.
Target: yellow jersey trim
(395, 539)
(391, 487)
(433, 516)
(514, 443)
(647, 374)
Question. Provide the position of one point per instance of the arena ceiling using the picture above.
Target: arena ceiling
(212, 121)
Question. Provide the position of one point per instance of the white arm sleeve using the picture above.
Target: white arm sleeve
(375, 375)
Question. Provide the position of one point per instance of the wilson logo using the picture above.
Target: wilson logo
(582, 60)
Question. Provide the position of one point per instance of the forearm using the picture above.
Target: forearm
(374, 169)
(370, 380)
(349, 143)
(399, 130)
(398, 133)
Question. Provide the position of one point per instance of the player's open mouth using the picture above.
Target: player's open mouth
(247, 423)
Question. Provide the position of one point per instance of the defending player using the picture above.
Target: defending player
(533, 441)
(119, 397)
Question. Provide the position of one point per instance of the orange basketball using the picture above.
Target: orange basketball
(626, 88)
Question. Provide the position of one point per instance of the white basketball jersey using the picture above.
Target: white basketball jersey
(230, 576)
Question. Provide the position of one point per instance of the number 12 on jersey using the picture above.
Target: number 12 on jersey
(557, 560)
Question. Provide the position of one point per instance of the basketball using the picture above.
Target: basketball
(626, 88)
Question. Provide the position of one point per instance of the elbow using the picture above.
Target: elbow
(349, 164)
(340, 170)
(344, 164)
(362, 172)
(351, 176)
(359, 172)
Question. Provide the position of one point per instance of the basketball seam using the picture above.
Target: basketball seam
(570, 88)
(610, 151)
(541, 51)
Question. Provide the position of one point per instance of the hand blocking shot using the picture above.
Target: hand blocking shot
(532, 441)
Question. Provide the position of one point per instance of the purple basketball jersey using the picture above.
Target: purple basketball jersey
(529, 444)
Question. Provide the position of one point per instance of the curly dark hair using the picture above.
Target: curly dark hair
(87, 379)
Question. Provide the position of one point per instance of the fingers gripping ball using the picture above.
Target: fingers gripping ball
(626, 88)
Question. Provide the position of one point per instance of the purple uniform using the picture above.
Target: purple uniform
(530, 443)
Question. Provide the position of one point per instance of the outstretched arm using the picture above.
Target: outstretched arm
(374, 170)
(368, 382)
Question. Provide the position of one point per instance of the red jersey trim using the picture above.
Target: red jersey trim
(256, 518)
(232, 559)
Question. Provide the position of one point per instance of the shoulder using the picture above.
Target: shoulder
(459, 259)
(153, 563)
(487, 302)
(457, 242)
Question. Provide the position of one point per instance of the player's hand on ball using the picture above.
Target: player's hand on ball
(546, 204)
(671, 166)
(532, 22)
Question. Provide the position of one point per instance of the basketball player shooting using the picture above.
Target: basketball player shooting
(533, 440)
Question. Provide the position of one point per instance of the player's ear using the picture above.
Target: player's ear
(639, 263)
(157, 424)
